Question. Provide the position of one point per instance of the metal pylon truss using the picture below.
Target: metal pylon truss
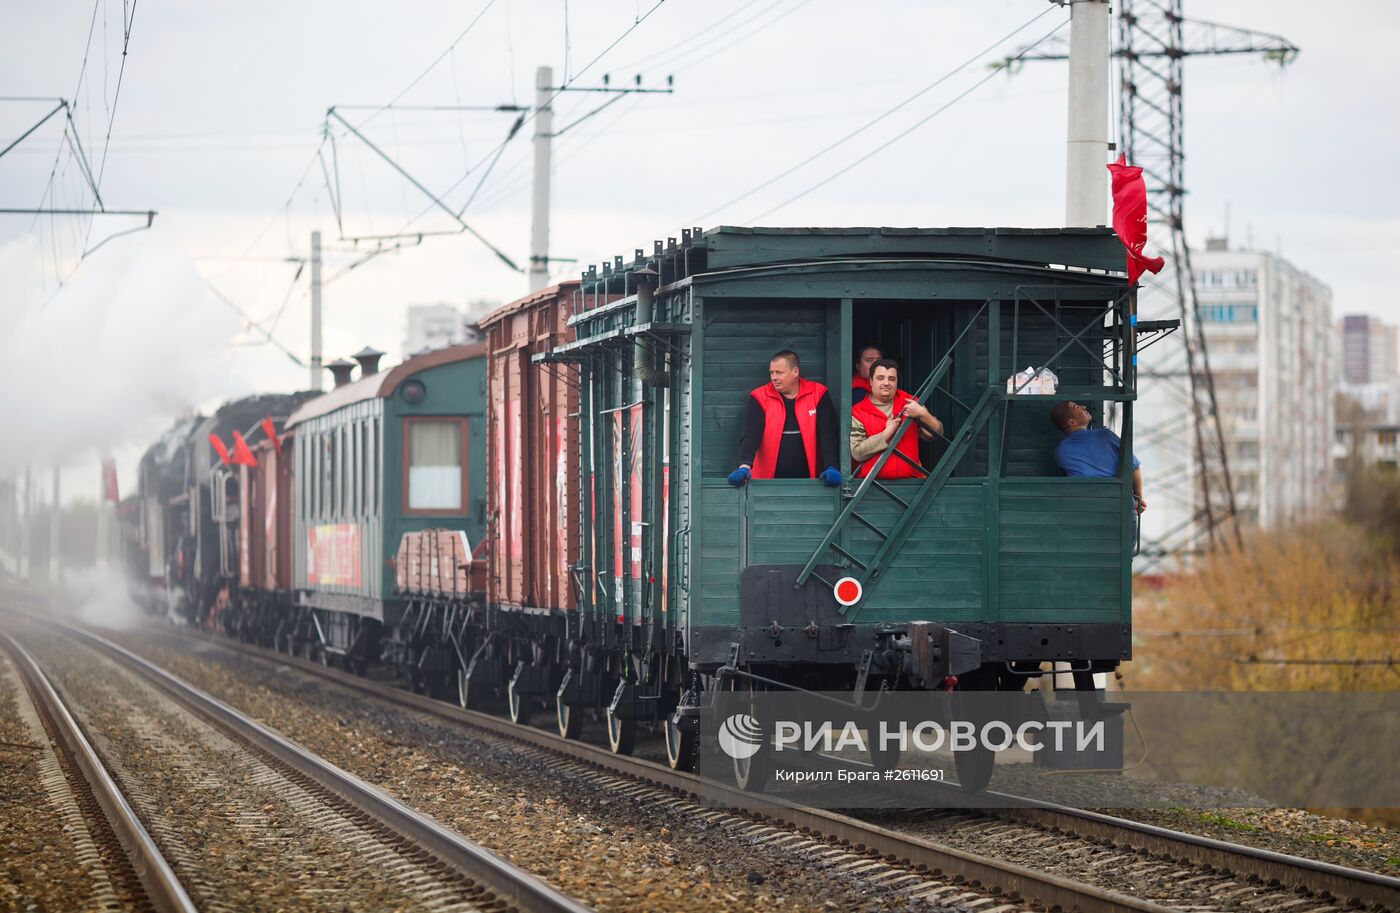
(1192, 479)
(1189, 482)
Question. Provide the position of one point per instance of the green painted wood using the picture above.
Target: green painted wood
(1016, 543)
(1094, 248)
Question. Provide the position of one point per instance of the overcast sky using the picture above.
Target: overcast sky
(222, 105)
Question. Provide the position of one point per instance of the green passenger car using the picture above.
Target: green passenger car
(978, 573)
(392, 452)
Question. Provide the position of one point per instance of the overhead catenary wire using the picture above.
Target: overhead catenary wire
(127, 22)
(700, 220)
(695, 36)
(277, 216)
(515, 129)
(737, 40)
(436, 60)
(252, 324)
(902, 134)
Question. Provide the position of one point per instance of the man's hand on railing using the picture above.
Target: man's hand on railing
(738, 477)
(918, 413)
(831, 476)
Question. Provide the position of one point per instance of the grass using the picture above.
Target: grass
(1223, 821)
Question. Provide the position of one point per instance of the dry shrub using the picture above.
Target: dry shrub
(1326, 591)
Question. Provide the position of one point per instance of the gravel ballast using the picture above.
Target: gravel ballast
(609, 850)
(48, 857)
(239, 833)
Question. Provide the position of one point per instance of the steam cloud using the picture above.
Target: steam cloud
(132, 341)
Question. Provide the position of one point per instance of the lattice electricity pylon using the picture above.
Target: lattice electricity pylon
(1191, 476)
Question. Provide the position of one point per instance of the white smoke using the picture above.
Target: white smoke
(134, 339)
(100, 592)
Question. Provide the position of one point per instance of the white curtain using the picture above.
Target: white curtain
(434, 466)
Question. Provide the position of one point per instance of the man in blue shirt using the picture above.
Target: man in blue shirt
(1089, 451)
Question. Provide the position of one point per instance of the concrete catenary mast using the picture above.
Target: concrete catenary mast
(1086, 153)
(539, 204)
(315, 311)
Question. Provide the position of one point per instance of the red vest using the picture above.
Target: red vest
(809, 395)
(860, 383)
(875, 421)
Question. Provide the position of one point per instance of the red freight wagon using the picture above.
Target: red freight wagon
(532, 453)
(265, 518)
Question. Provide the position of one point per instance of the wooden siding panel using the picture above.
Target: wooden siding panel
(1061, 550)
(740, 337)
(715, 594)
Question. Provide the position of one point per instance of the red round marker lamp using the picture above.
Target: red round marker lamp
(848, 591)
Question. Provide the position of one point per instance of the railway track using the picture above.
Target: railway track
(374, 838)
(126, 867)
(1181, 871)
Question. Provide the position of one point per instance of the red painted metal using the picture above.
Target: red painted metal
(532, 453)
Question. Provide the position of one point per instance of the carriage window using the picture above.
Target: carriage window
(435, 465)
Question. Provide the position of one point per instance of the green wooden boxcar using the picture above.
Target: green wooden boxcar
(992, 565)
(392, 452)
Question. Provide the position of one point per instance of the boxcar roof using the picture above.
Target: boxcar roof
(383, 383)
(1092, 248)
(728, 247)
(543, 294)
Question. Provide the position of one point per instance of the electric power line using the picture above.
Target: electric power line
(437, 60)
(700, 220)
(694, 36)
(916, 125)
(494, 153)
(127, 22)
(737, 40)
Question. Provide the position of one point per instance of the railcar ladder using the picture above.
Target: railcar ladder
(868, 570)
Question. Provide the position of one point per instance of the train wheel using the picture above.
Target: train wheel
(519, 705)
(752, 770)
(570, 720)
(467, 697)
(682, 742)
(883, 759)
(976, 765)
(622, 734)
(974, 768)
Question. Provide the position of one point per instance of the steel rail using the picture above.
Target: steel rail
(1344, 884)
(1044, 888)
(522, 890)
(157, 878)
(1341, 882)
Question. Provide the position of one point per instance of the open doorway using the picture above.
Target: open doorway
(916, 335)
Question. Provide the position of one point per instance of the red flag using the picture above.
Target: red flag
(109, 480)
(219, 448)
(1130, 216)
(270, 430)
(241, 454)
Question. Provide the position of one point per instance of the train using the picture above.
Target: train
(545, 516)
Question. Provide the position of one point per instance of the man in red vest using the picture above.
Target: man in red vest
(790, 428)
(860, 380)
(875, 419)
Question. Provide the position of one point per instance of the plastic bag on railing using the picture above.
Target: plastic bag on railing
(1033, 382)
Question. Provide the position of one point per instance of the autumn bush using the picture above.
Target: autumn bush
(1310, 608)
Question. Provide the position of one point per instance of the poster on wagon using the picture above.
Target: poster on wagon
(333, 555)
